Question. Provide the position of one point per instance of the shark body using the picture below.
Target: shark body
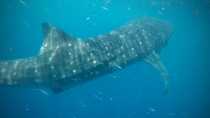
(65, 61)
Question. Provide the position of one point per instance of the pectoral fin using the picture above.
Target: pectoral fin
(154, 60)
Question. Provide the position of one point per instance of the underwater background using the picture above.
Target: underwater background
(135, 92)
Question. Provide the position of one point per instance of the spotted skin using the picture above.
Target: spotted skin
(65, 61)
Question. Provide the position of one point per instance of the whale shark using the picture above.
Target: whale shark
(65, 61)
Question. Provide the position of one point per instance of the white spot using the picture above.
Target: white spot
(163, 8)
(16, 64)
(50, 59)
(132, 49)
(94, 61)
(122, 47)
(124, 56)
(91, 54)
(45, 45)
(117, 66)
(87, 18)
(52, 67)
(79, 39)
(106, 48)
(36, 71)
(140, 42)
(80, 46)
(53, 55)
(71, 62)
(69, 44)
(57, 47)
(63, 76)
(42, 49)
(136, 55)
(122, 36)
(152, 109)
(74, 70)
(105, 8)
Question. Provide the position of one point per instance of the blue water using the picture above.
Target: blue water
(135, 92)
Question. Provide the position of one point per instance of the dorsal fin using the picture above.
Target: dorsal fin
(53, 38)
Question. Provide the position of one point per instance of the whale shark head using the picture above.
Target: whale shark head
(157, 31)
